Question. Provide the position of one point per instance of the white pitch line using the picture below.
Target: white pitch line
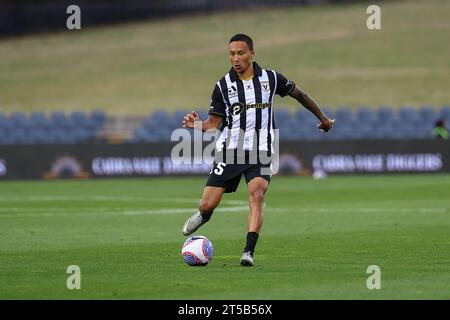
(24, 199)
(179, 210)
(92, 198)
(60, 212)
(53, 209)
(362, 210)
(42, 212)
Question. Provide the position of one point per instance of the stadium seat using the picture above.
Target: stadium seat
(344, 113)
(57, 118)
(40, 121)
(293, 135)
(99, 117)
(6, 139)
(40, 136)
(384, 132)
(409, 116)
(303, 118)
(445, 114)
(385, 113)
(160, 114)
(427, 113)
(330, 113)
(8, 126)
(366, 115)
(17, 117)
(138, 135)
(78, 116)
(3, 119)
(281, 117)
(160, 117)
(18, 136)
(170, 124)
(179, 114)
(203, 114)
(149, 124)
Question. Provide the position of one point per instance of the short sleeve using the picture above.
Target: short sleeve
(284, 86)
(217, 105)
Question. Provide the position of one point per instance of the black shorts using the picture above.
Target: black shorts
(228, 176)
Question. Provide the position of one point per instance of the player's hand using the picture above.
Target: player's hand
(326, 124)
(189, 119)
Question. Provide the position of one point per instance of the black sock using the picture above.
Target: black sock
(206, 215)
(252, 237)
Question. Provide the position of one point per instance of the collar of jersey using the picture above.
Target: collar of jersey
(256, 70)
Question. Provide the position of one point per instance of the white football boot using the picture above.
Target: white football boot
(193, 223)
(247, 260)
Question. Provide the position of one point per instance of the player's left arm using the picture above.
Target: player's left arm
(301, 96)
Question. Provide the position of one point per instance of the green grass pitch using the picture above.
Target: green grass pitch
(318, 238)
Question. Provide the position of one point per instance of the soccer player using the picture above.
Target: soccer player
(242, 109)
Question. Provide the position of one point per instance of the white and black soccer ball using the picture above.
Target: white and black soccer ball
(197, 251)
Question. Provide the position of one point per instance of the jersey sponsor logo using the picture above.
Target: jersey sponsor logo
(265, 86)
(238, 107)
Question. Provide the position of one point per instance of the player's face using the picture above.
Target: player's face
(240, 56)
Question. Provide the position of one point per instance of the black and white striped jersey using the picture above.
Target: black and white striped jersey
(247, 108)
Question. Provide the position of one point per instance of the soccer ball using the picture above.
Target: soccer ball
(197, 251)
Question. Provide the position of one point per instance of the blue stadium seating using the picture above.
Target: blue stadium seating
(366, 115)
(385, 112)
(37, 128)
(359, 123)
(344, 114)
(202, 114)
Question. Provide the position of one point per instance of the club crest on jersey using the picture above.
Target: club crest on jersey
(265, 86)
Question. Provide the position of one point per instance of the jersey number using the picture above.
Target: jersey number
(219, 168)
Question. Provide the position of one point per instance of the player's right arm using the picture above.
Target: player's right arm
(215, 117)
(191, 120)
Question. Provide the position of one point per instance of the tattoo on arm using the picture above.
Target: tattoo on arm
(306, 101)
